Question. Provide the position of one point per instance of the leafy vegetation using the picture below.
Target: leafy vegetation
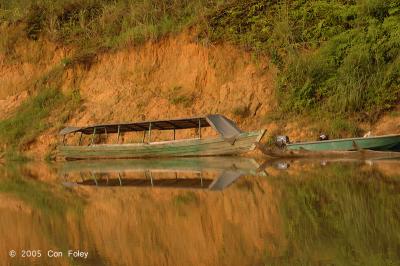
(339, 215)
(179, 97)
(242, 111)
(28, 120)
(185, 198)
(336, 57)
(31, 117)
(97, 25)
(340, 57)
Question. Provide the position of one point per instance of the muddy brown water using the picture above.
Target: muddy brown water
(213, 211)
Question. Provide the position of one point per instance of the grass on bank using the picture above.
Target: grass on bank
(31, 118)
(336, 57)
(177, 96)
(28, 119)
(101, 24)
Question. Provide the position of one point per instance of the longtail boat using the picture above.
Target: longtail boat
(377, 143)
(231, 139)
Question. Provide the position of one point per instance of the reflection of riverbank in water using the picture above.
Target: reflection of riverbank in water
(35, 215)
(189, 227)
(311, 212)
(162, 226)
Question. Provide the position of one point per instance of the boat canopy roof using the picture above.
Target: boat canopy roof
(224, 126)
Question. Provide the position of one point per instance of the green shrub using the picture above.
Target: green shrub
(10, 36)
(185, 199)
(338, 56)
(335, 127)
(30, 118)
(242, 111)
(35, 21)
(341, 57)
(354, 73)
(270, 26)
(178, 97)
(102, 24)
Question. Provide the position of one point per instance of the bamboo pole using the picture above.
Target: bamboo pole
(151, 178)
(119, 126)
(199, 128)
(149, 132)
(95, 180)
(119, 178)
(94, 133)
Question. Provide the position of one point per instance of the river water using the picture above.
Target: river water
(212, 211)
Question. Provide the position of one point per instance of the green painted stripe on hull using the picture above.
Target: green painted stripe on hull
(117, 149)
(151, 152)
(194, 147)
(371, 143)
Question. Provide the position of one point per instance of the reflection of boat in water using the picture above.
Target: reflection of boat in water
(386, 166)
(231, 140)
(175, 172)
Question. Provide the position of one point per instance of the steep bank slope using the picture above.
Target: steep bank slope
(175, 77)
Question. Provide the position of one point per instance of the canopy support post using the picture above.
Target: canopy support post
(95, 180)
(144, 136)
(80, 139)
(63, 140)
(119, 126)
(150, 132)
(119, 178)
(94, 133)
(149, 175)
(199, 129)
(151, 178)
(174, 133)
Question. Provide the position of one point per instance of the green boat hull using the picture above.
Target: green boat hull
(245, 142)
(379, 143)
